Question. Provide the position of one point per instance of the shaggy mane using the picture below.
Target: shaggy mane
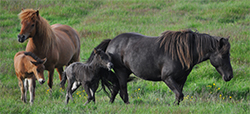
(181, 45)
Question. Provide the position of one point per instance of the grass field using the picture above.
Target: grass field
(95, 20)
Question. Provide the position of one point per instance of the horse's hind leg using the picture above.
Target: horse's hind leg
(21, 85)
(75, 86)
(60, 71)
(69, 91)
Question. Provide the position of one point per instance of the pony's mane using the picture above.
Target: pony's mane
(34, 57)
(182, 44)
(43, 29)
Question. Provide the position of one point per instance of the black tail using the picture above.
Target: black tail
(103, 46)
(64, 78)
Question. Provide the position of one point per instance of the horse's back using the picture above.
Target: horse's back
(139, 54)
(19, 61)
(68, 42)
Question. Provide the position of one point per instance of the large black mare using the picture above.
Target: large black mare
(168, 58)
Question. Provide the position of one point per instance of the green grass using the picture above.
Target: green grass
(96, 20)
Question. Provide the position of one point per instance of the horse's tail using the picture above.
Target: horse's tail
(64, 78)
(109, 80)
(106, 82)
(103, 46)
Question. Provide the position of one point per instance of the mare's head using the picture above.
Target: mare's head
(103, 59)
(37, 67)
(220, 59)
(29, 19)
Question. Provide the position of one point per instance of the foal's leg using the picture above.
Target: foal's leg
(75, 86)
(26, 85)
(32, 85)
(173, 85)
(21, 85)
(88, 91)
(93, 89)
(69, 91)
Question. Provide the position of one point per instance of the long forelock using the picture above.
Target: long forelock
(27, 14)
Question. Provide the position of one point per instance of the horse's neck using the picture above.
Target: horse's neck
(42, 42)
(206, 54)
(94, 66)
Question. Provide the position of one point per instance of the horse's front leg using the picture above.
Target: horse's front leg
(32, 85)
(50, 80)
(123, 77)
(175, 87)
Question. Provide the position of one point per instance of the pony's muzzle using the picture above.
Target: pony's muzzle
(110, 65)
(41, 81)
(21, 38)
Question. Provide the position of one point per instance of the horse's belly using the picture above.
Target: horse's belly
(149, 76)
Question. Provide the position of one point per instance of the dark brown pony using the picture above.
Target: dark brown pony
(60, 44)
(28, 68)
(168, 58)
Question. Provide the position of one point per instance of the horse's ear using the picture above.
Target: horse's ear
(34, 63)
(44, 60)
(37, 12)
(222, 42)
(22, 9)
(95, 50)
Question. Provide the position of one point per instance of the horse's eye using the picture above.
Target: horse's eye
(37, 70)
(32, 25)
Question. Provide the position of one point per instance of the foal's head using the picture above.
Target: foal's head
(36, 65)
(103, 59)
(28, 19)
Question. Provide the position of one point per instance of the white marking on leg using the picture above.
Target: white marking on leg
(25, 89)
(91, 92)
(31, 90)
(75, 84)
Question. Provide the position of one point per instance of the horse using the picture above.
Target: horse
(28, 68)
(60, 44)
(169, 57)
(86, 75)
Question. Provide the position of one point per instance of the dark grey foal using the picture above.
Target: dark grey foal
(86, 75)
